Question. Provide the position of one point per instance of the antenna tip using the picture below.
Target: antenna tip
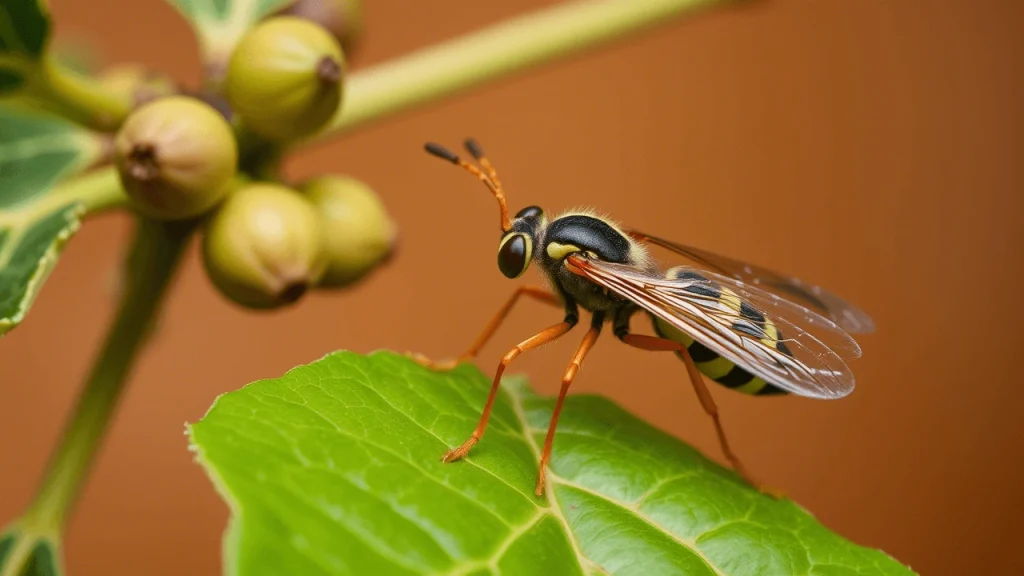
(474, 148)
(441, 152)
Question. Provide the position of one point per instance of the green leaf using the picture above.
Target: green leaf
(334, 469)
(221, 23)
(37, 151)
(24, 31)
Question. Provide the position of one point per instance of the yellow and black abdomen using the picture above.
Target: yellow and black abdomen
(710, 363)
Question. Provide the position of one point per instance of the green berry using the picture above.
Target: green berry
(264, 246)
(137, 83)
(285, 78)
(342, 18)
(359, 234)
(175, 156)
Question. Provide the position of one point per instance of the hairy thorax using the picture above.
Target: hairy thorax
(596, 237)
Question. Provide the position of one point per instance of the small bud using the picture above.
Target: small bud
(175, 156)
(285, 78)
(137, 83)
(264, 246)
(342, 18)
(359, 234)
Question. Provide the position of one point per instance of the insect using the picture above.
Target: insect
(745, 327)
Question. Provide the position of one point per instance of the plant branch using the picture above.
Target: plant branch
(156, 252)
(495, 52)
(79, 97)
(97, 190)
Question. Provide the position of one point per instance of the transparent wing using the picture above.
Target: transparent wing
(843, 313)
(802, 364)
(787, 315)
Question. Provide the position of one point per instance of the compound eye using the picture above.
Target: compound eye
(530, 212)
(514, 255)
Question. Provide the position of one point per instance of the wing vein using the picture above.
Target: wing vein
(711, 309)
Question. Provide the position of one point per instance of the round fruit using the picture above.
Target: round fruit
(342, 18)
(359, 234)
(137, 83)
(175, 156)
(264, 246)
(284, 79)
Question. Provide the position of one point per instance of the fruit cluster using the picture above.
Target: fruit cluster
(180, 156)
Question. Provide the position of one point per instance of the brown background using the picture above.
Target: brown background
(870, 146)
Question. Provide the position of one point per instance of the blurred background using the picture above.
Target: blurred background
(871, 146)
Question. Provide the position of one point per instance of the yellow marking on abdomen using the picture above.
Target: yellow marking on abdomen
(752, 387)
(718, 367)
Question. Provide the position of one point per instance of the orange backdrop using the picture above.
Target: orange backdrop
(870, 146)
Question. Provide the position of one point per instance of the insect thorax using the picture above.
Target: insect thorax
(574, 233)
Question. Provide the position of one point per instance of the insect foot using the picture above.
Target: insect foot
(436, 365)
(771, 492)
(460, 452)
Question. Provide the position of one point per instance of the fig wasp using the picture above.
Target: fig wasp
(745, 327)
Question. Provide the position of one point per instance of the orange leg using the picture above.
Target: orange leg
(570, 374)
(534, 292)
(541, 338)
(656, 344)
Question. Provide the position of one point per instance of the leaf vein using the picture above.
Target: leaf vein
(368, 538)
(685, 542)
(403, 458)
(658, 486)
(438, 438)
(556, 510)
(308, 464)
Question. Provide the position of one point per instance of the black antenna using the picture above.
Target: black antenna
(490, 180)
(473, 147)
(441, 152)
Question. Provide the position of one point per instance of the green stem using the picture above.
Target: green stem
(156, 252)
(500, 50)
(79, 97)
(97, 190)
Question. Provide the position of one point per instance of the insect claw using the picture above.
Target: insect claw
(436, 365)
(539, 491)
(771, 492)
(460, 452)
